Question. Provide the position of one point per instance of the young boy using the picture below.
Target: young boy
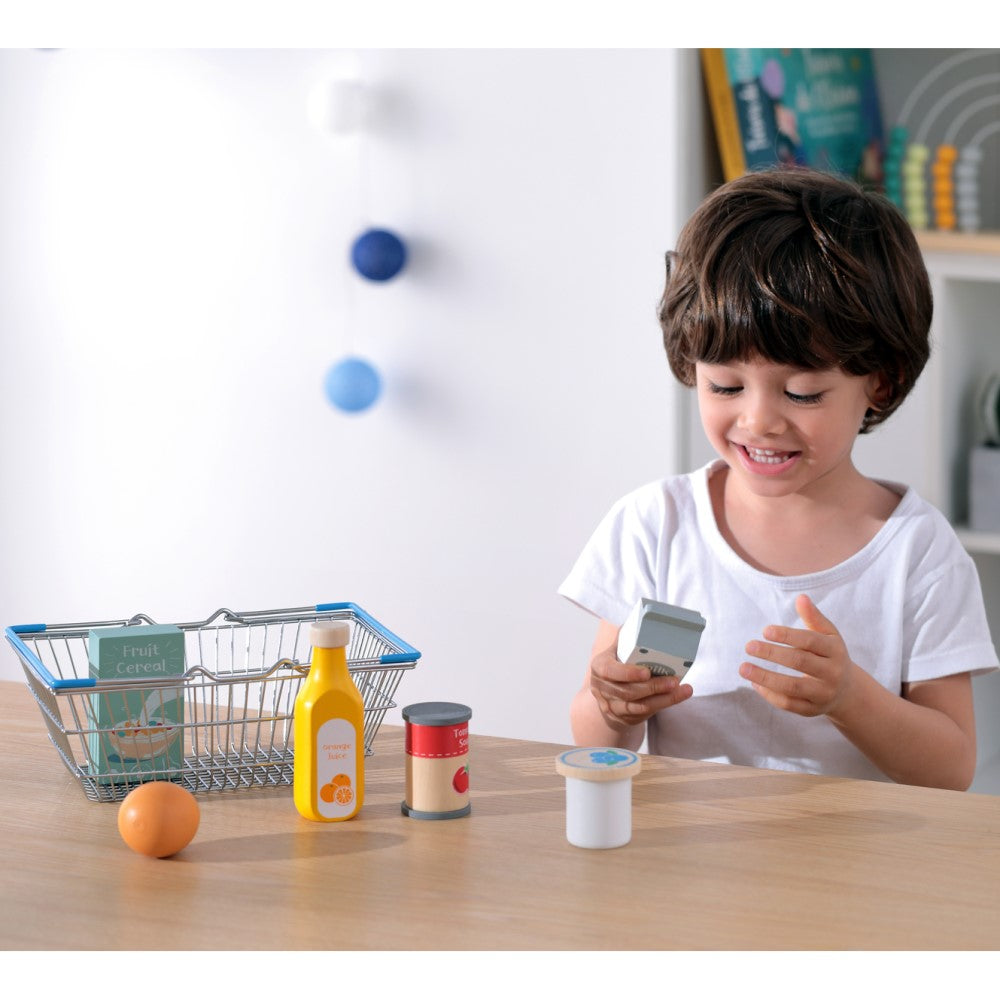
(844, 619)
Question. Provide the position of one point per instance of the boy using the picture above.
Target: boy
(798, 307)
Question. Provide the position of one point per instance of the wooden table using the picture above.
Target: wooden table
(721, 858)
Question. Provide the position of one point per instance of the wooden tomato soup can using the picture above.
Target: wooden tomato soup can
(598, 795)
(437, 760)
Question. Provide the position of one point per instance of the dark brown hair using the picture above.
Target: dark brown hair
(804, 269)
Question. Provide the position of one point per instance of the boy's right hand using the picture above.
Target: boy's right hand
(627, 695)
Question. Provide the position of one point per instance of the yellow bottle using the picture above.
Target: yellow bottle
(329, 777)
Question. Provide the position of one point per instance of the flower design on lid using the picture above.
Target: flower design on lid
(608, 757)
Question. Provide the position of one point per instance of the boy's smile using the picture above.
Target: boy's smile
(766, 461)
(783, 429)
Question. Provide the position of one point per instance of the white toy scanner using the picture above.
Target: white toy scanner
(660, 636)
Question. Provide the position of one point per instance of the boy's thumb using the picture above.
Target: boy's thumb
(811, 616)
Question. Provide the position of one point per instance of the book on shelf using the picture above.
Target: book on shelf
(812, 107)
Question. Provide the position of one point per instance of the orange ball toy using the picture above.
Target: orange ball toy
(158, 819)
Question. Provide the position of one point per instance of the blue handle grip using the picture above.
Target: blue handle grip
(14, 633)
(409, 652)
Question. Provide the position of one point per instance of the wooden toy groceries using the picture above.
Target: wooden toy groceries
(328, 783)
(158, 819)
(437, 760)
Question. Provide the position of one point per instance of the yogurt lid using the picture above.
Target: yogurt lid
(598, 763)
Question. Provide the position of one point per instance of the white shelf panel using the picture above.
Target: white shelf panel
(987, 779)
(979, 541)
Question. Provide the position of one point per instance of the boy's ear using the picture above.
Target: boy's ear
(879, 390)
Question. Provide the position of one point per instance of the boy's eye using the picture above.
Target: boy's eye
(802, 399)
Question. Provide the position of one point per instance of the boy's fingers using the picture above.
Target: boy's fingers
(792, 694)
(651, 705)
(612, 670)
(799, 638)
(638, 690)
(793, 657)
(629, 673)
(609, 667)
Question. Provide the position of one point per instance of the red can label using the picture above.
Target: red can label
(437, 741)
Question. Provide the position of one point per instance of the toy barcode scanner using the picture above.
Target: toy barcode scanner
(662, 637)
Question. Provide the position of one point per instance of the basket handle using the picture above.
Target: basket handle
(223, 613)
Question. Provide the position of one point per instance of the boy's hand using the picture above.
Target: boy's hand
(817, 652)
(628, 695)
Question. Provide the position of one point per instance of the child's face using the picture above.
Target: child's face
(782, 429)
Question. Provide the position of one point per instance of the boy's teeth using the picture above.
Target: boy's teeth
(767, 455)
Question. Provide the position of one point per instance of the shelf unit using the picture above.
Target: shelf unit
(965, 277)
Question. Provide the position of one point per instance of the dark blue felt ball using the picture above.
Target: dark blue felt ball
(378, 254)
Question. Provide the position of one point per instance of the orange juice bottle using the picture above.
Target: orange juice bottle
(329, 777)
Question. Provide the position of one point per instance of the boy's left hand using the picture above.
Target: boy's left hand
(817, 652)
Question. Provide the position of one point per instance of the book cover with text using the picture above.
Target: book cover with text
(812, 107)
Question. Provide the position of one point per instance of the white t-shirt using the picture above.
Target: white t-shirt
(908, 606)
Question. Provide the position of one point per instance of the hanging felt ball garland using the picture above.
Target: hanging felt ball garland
(343, 109)
(354, 384)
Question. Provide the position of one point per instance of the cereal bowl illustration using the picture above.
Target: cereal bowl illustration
(149, 735)
(137, 739)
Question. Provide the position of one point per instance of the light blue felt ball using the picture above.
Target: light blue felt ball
(378, 254)
(352, 385)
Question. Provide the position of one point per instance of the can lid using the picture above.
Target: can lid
(437, 713)
(329, 635)
(598, 763)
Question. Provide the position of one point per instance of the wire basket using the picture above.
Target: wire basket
(242, 673)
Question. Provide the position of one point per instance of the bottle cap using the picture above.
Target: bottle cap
(329, 635)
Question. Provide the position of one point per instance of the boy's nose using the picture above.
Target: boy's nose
(761, 417)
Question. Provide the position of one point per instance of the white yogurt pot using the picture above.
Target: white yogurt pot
(598, 795)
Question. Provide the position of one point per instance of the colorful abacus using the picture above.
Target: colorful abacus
(953, 171)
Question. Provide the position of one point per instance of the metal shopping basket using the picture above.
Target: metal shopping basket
(242, 673)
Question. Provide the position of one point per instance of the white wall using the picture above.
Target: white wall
(174, 285)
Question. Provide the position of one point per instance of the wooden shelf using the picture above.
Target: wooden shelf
(938, 241)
